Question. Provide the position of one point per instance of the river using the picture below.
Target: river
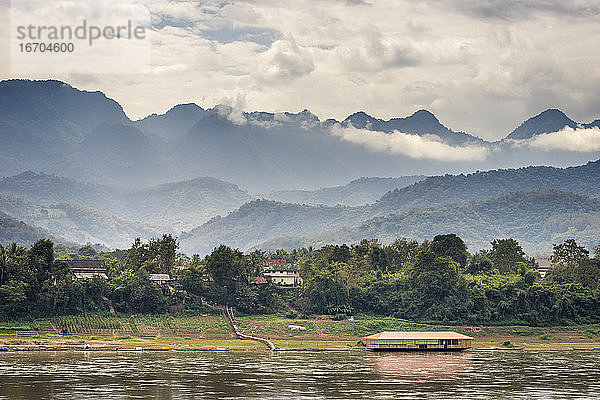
(300, 375)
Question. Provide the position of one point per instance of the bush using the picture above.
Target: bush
(291, 314)
(507, 344)
(339, 317)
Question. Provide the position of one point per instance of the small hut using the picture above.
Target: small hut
(440, 341)
(83, 269)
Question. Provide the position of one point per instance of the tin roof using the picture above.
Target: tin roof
(417, 336)
(97, 265)
(160, 277)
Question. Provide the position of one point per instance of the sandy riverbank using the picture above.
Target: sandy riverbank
(211, 332)
(42, 343)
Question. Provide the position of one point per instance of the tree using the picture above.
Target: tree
(228, 268)
(156, 256)
(347, 274)
(402, 253)
(569, 254)
(378, 259)
(433, 278)
(479, 263)
(13, 298)
(572, 264)
(450, 246)
(531, 276)
(506, 254)
(87, 251)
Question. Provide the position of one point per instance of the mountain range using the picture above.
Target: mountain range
(51, 127)
(356, 193)
(267, 223)
(173, 206)
(536, 219)
(249, 179)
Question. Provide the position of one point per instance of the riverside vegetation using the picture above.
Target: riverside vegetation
(436, 281)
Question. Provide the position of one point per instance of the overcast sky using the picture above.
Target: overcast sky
(480, 66)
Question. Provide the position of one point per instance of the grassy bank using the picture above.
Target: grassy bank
(211, 332)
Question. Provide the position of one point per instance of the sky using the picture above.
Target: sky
(481, 67)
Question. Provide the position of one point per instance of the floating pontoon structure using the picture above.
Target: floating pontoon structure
(398, 341)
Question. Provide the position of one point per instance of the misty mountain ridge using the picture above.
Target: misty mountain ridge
(245, 227)
(549, 121)
(536, 219)
(172, 206)
(438, 190)
(77, 224)
(50, 126)
(356, 193)
(13, 230)
(422, 122)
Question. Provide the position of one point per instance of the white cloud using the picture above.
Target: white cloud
(569, 139)
(428, 147)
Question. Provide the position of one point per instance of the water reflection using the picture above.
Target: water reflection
(263, 375)
(420, 364)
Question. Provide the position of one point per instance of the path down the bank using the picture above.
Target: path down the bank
(243, 336)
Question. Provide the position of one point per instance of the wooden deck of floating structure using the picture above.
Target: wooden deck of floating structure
(397, 341)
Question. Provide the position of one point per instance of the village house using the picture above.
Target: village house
(83, 269)
(160, 279)
(281, 273)
(544, 265)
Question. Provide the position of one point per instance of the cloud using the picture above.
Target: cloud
(480, 66)
(569, 139)
(514, 10)
(286, 61)
(428, 147)
(233, 114)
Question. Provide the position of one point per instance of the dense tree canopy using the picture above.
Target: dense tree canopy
(431, 281)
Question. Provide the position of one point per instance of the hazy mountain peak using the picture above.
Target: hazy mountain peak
(63, 98)
(551, 120)
(360, 120)
(186, 107)
(424, 115)
(595, 123)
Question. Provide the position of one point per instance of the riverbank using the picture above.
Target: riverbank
(211, 332)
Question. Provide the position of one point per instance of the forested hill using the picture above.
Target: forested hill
(262, 220)
(439, 190)
(356, 193)
(76, 223)
(276, 220)
(537, 219)
(176, 206)
(13, 230)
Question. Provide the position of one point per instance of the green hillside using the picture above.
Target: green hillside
(173, 206)
(455, 189)
(291, 221)
(13, 230)
(262, 220)
(537, 219)
(76, 223)
(356, 193)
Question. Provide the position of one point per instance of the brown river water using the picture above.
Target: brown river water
(300, 375)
